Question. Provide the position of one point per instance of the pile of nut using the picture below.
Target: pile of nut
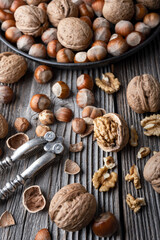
(77, 31)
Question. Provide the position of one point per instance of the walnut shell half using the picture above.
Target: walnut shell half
(111, 132)
(143, 94)
(72, 207)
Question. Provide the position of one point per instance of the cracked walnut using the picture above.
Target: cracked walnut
(151, 125)
(134, 176)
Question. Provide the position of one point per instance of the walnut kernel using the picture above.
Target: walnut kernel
(109, 162)
(151, 125)
(134, 176)
(134, 137)
(135, 204)
(143, 152)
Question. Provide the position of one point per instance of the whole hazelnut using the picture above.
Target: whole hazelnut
(5, 4)
(105, 225)
(97, 7)
(78, 125)
(142, 28)
(87, 20)
(152, 19)
(81, 57)
(96, 53)
(100, 22)
(6, 94)
(43, 6)
(64, 114)
(46, 117)
(102, 34)
(43, 74)
(100, 43)
(38, 50)
(43, 234)
(7, 24)
(25, 42)
(40, 102)
(53, 47)
(86, 10)
(12, 34)
(42, 130)
(16, 4)
(124, 27)
(65, 55)
(84, 81)
(49, 35)
(134, 39)
(5, 16)
(21, 124)
(85, 98)
(140, 11)
(61, 90)
(117, 45)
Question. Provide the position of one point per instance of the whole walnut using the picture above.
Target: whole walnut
(74, 33)
(151, 4)
(31, 20)
(72, 207)
(116, 10)
(151, 172)
(143, 94)
(59, 9)
(12, 67)
(35, 2)
(3, 127)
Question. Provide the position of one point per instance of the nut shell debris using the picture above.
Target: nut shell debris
(3, 127)
(143, 152)
(88, 131)
(6, 220)
(17, 140)
(71, 167)
(151, 125)
(134, 176)
(77, 147)
(109, 162)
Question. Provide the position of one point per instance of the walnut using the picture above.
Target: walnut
(12, 67)
(143, 152)
(109, 162)
(143, 94)
(103, 180)
(151, 125)
(135, 204)
(60, 9)
(31, 20)
(6, 220)
(74, 33)
(134, 137)
(72, 207)
(134, 176)
(108, 83)
(111, 132)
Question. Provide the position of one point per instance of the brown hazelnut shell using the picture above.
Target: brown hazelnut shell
(3, 127)
(16, 141)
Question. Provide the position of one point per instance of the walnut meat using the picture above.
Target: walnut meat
(31, 20)
(151, 125)
(111, 132)
(135, 204)
(60, 9)
(74, 33)
(134, 176)
(72, 207)
(143, 94)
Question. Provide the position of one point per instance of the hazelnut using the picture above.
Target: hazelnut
(42, 130)
(64, 114)
(96, 53)
(6, 94)
(38, 50)
(86, 10)
(97, 7)
(16, 4)
(46, 117)
(53, 47)
(21, 124)
(65, 55)
(40, 102)
(12, 34)
(100, 22)
(134, 39)
(124, 28)
(43, 6)
(85, 98)
(5, 4)
(7, 24)
(140, 11)
(87, 20)
(105, 225)
(4, 127)
(61, 89)
(43, 234)
(81, 57)
(117, 45)
(84, 81)
(49, 35)
(142, 28)
(152, 19)
(43, 74)
(78, 125)
(100, 43)
(89, 113)
(5, 16)
(102, 34)
(25, 42)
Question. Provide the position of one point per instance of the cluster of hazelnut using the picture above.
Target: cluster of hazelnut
(78, 31)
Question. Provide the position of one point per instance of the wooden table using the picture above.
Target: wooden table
(144, 225)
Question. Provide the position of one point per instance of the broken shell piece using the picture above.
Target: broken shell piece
(6, 220)
(77, 147)
(88, 131)
(17, 140)
(143, 152)
(109, 162)
(135, 204)
(151, 125)
(33, 199)
(134, 176)
(134, 137)
(108, 83)
(71, 167)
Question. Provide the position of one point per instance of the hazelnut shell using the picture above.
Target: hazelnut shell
(3, 127)
(6, 219)
(17, 140)
(71, 167)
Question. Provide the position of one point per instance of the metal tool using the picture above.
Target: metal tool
(53, 146)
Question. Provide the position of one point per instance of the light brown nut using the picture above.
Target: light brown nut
(77, 147)
(71, 167)
(134, 137)
(5, 4)
(134, 176)
(151, 125)
(64, 114)
(40, 102)
(135, 204)
(104, 181)
(143, 152)
(17, 140)
(42, 130)
(25, 42)
(109, 162)
(108, 83)
(85, 97)
(3, 127)
(6, 220)
(43, 234)
(46, 117)
(89, 113)
(111, 132)
(33, 199)
(88, 131)
(21, 124)
(6, 94)
(12, 67)
(49, 35)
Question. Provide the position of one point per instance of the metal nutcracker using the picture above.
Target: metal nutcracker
(52, 145)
